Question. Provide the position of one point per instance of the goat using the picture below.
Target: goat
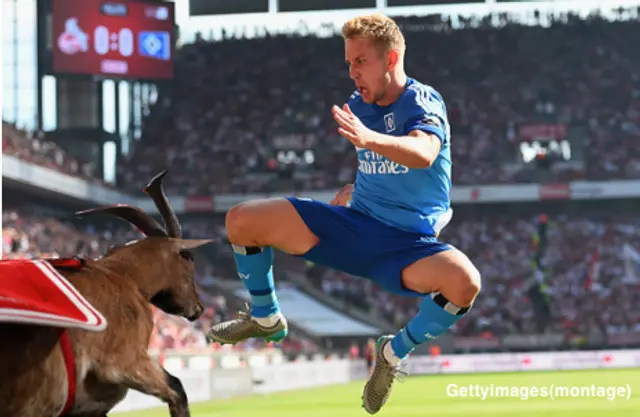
(123, 286)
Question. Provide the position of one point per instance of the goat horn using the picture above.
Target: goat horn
(143, 221)
(155, 191)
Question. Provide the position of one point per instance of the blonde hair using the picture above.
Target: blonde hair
(379, 29)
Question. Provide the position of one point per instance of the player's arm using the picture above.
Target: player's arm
(417, 150)
(426, 123)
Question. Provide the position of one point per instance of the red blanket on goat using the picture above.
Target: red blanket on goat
(34, 292)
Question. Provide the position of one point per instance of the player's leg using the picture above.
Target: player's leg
(253, 228)
(451, 282)
(321, 233)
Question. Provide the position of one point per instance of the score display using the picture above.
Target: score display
(127, 39)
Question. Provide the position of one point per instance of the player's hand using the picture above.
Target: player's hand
(343, 196)
(351, 127)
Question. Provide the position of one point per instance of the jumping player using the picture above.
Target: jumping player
(388, 232)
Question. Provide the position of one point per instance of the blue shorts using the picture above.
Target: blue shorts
(358, 244)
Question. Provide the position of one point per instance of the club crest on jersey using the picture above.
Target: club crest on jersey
(389, 122)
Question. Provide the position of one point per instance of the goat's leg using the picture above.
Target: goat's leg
(176, 385)
(150, 378)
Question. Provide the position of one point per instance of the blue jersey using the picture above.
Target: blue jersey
(413, 200)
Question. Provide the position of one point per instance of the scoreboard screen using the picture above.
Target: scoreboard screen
(127, 39)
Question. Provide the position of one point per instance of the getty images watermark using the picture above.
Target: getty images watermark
(552, 391)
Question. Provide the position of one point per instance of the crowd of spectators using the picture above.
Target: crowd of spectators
(35, 148)
(234, 104)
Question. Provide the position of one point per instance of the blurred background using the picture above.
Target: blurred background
(234, 98)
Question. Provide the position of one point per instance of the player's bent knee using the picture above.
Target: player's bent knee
(269, 222)
(237, 222)
(465, 287)
(240, 223)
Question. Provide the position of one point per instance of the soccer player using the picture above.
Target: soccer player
(388, 231)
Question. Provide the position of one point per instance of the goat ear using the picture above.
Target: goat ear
(188, 244)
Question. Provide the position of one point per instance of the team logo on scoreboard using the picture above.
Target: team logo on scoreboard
(73, 40)
(155, 44)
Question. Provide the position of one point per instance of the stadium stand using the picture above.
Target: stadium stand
(33, 147)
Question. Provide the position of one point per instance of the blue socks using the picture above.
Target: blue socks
(436, 316)
(255, 268)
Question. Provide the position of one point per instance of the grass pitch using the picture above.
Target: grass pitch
(428, 396)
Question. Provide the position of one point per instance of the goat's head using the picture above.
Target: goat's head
(169, 272)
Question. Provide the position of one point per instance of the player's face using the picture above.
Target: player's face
(368, 68)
